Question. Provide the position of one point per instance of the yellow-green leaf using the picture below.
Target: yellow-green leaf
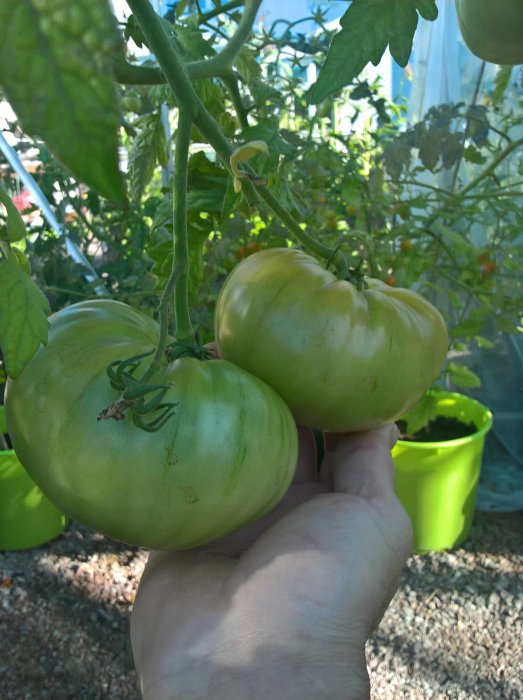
(23, 316)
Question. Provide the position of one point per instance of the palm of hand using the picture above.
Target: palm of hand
(291, 616)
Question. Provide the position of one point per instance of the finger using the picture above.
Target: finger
(235, 544)
(362, 464)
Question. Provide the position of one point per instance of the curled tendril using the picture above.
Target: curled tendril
(141, 398)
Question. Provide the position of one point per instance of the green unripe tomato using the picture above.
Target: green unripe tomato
(341, 358)
(131, 103)
(492, 29)
(225, 458)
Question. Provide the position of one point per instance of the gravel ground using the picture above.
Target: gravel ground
(454, 629)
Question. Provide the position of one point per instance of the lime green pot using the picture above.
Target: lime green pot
(437, 481)
(27, 518)
(492, 29)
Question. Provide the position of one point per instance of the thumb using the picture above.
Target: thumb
(361, 463)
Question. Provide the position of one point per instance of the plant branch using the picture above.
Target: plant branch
(222, 62)
(126, 73)
(220, 10)
(185, 95)
(311, 243)
(172, 66)
(231, 83)
(492, 166)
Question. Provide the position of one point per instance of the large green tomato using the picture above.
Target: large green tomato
(225, 458)
(492, 29)
(341, 358)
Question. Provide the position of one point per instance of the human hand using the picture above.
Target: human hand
(283, 608)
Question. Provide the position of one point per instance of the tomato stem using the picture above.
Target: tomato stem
(177, 76)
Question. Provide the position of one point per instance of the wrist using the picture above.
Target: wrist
(263, 669)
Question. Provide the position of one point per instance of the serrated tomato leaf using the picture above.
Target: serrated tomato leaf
(23, 316)
(148, 149)
(403, 25)
(55, 70)
(367, 28)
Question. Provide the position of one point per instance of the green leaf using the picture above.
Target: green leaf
(268, 132)
(207, 184)
(422, 413)
(473, 155)
(197, 235)
(451, 149)
(55, 70)
(22, 260)
(471, 326)
(15, 227)
(247, 64)
(427, 9)
(231, 199)
(483, 342)
(430, 149)
(501, 83)
(363, 36)
(404, 23)
(367, 28)
(23, 316)
(148, 148)
(462, 376)
(194, 46)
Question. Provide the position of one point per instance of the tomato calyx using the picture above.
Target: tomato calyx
(192, 348)
(140, 397)
(356, 276)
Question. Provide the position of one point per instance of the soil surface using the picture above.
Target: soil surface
(453, 630)
(438, 430)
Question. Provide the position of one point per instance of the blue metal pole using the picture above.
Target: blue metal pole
(38, 196)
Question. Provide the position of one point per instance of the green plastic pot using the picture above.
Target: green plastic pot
(492, 29)
(27, 518)
(437, 481)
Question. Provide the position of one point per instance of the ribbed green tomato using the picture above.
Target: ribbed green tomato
(225, 458)
(342, 359)
(492, 29)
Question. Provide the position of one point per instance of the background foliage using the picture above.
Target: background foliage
(432, 206)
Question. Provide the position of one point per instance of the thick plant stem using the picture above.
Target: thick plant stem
(180, 271)
(178, 283)
(172, 67)
(222, 62)
(311, 243)
(231, 83)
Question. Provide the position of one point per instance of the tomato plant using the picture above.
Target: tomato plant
(174, 223)
(342, 358)
(226, 456)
